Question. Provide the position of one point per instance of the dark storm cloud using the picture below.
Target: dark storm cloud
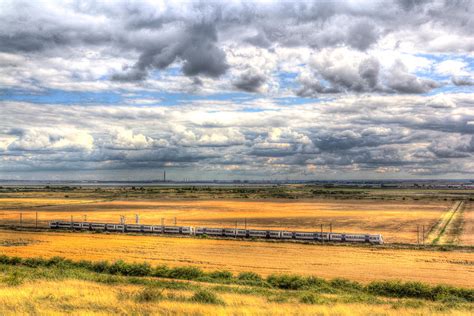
(330, 78)
(250, 81)
(362, 35)
(462, 81)
(195, 46)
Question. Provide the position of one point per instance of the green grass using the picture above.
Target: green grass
(275, 288)
(119, 271)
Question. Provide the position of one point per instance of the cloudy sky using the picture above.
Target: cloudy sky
(236, 90)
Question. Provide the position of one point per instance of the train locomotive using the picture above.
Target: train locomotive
(220, 232)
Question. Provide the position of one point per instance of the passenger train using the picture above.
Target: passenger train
(219, 232)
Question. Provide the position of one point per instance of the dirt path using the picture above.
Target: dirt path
(439, 233)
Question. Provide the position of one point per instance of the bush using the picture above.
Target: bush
(315, 282)
(186, 273)
(288, 282)
(139, 269)
(221, 275)
(419, 290)
(249, 276)
(149, 294)
(33, 262)
(206, 297)
(118, 267)
(345, 284)
(58, 262)
(100, 266)
(161, 272)
(399, 289)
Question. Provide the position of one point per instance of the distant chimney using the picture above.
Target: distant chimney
(164, 175)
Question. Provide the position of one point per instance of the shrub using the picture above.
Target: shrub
(149, 294)
(118, 267)
(206, 297)
(249, 276)
(419, 290)
(139, 269)
(287, 282)
(33, 262)
(58, 262)
(316, 282)
(345, 284)
(221, 275)
(100, 266)
(186, 273)
(15, 261)
(161, 272)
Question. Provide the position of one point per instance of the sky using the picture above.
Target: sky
(122, 90)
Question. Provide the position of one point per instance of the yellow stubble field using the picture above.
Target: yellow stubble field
(329, 261)
(467, 225)
(396, 220)
(77, 297)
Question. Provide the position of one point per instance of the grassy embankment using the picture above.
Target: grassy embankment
(362, 263)
(58, 285)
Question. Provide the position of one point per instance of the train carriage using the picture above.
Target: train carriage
(230, 232)
(305, 236)
(275, 234)
(64, 225)
(172, 229)
(336, 237)
(354, 238)
(209, 231)
(76, 225)
(376, 239)
(133, 228)
(147, 228)
(111, 227)
(157, 229)
(85, 225)
(187, 230)
(98, 226)
(258, 233)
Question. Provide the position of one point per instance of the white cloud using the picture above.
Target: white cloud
(452, 67)
(58, 139)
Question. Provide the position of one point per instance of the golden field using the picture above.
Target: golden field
(328, 261)
(467, 225)
(78, 297)
(397, 220)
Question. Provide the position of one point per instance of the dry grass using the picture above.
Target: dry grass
(357, 263)
(396, 220)
(467, 226)
(78, 297)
